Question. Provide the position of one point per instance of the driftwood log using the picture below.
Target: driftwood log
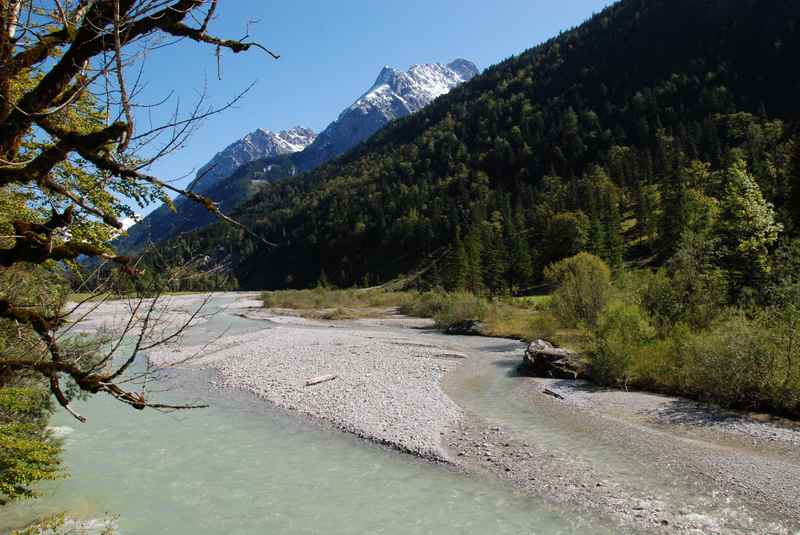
(552, 393)
(321, 379)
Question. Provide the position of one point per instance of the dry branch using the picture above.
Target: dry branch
(321, 379)
(49, 62)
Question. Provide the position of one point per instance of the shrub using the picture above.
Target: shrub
(740, 362)
(690, 290)
(584, 288)
(743, 362)
(728, 364)
(447, 308)
(460, 307)
(542, 325)
(622, 335)
(28, 452)
(425, 305)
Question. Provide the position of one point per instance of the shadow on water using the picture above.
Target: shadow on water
(512, 367)
(512, 347)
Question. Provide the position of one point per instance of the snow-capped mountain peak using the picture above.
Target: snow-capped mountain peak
(261, 143)
(399, 93)
(386, 76)
(394, 94)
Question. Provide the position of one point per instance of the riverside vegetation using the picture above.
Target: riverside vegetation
(667, 331)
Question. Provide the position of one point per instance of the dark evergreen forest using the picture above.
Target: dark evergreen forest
(654, 124)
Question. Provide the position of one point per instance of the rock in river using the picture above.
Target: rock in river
(466, 327)
(543, 359)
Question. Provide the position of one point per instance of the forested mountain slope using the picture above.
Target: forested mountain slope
(615, 137)
(235, 173)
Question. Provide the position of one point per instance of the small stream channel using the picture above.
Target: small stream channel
(637, 458)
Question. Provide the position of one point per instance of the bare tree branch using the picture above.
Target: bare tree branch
(68, 137)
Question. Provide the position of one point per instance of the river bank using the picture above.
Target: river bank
(645, 462)
(649, 461)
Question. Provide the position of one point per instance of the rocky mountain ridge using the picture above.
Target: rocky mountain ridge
(234, 173)
(394, 94)
(256, 145)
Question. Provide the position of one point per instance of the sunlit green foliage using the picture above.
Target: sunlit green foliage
(583, 288)
(747, 221)
(27, 451)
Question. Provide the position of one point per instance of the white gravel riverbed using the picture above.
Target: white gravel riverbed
(386, 387)
(650, 463)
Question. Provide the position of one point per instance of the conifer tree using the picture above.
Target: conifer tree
(674, 199)
(747, 224)
(520, 263)
(495, 258)
(474, 273)
(597, 237)
(615, 245)
(646, 211)
(457, 266)
(794, 183)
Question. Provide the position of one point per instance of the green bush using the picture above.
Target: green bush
(745, 363)
(623, 331)
(728, 364)
(542, 325)
(447, 308)
(426, 305)
(461, 307)
(740, 361)
(28, 453)
(688, 291)
(584, 288)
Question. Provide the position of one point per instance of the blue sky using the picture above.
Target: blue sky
(331, 52)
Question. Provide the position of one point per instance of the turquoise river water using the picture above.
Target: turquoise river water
(243, 467)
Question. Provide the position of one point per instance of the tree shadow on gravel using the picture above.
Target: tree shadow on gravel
(687, 412)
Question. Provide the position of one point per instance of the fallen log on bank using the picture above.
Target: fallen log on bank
(552, 393)
(321, 379)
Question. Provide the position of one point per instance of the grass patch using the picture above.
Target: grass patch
(332, 304)
(523, 318)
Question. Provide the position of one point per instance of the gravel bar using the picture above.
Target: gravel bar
(386, 387)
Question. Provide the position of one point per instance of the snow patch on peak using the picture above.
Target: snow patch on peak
(386, 76)
(261, 143)
(297, 138)
(397, 93)
(394, 94)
